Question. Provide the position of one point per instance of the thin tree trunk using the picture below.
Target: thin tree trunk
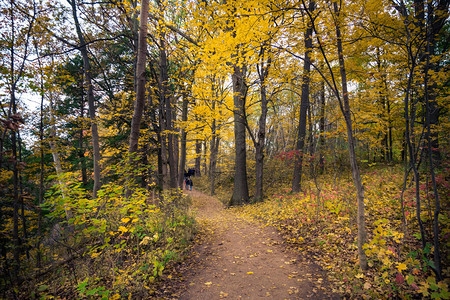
(182, 166)
(430, 104)
(81, 141)
(322, 128)
(91, 100)
(13, 111)
(198, 156)
(215, 139)
(15, 190)
(362, 235)
(41, 171)
(176, 146)
(21, 198)
(304, 103)
(205, 151)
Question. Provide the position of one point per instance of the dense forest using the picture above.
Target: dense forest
(325, 119)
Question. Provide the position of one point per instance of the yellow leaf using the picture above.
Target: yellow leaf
(95, 254)
(360, 275)
(208, 283)
(145, 241)
(401, 267)
(125, 220)
(123, 229)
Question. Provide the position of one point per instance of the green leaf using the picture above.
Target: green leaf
(42, 288)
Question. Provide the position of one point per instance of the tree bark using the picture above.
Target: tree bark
(240, 189)
(261, 138)
(304, 103)
(141, 80)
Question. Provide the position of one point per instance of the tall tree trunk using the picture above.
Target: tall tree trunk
(15, 187)
(21, 194)
(198, 156)
(41, 154)
(182, 166)
(214, 145)
(311, 140)
(322, 128)
(176, 145)
(141, 80)
(205, 152)
(362, 235)
(240, 189)
(215, 139)
(166, 106)
(304, 103)
(431, 118)
(81, 141)
(91, 100)
(263, 72)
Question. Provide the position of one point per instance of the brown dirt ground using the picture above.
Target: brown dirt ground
(237, 258)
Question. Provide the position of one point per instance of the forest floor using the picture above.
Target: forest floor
(238, 258)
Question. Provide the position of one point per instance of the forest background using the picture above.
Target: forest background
(331, 118)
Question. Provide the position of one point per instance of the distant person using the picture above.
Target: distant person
(190, 184)
(187, 181)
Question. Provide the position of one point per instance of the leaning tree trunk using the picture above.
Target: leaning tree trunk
(362, 235)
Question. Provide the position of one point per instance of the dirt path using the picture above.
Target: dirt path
(239, 259)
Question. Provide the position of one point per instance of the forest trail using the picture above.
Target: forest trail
(238, 258)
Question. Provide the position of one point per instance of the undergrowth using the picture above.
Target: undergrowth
(106, 248)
